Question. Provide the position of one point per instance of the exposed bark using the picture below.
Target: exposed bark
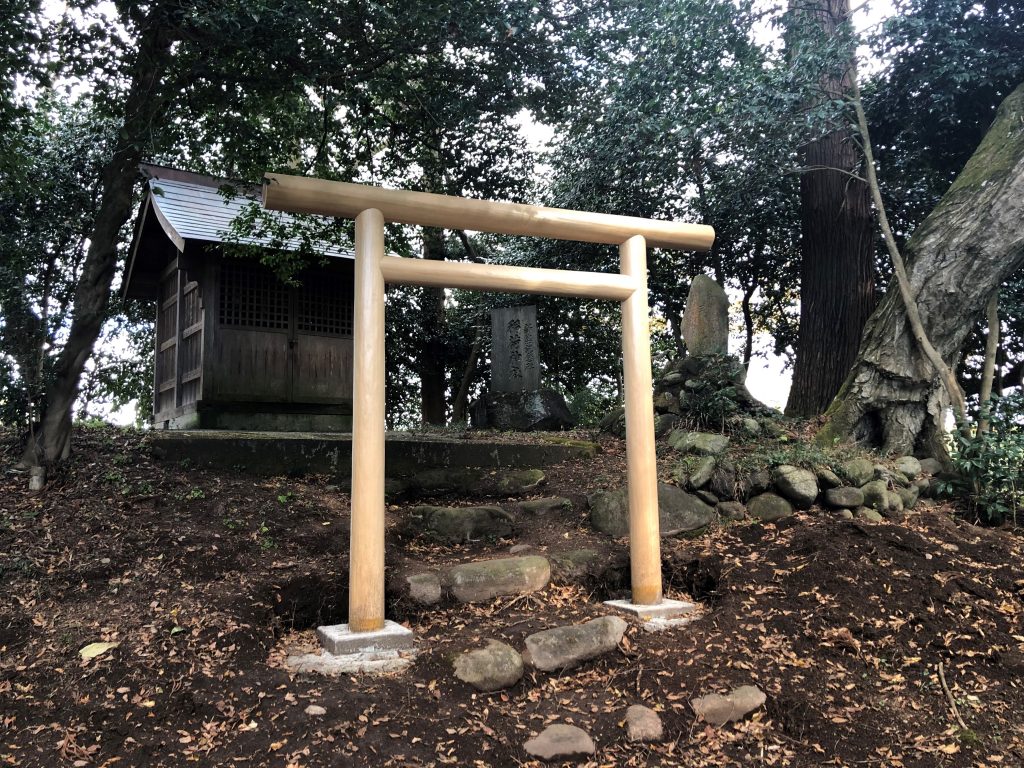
(462, 397)
(144, 106)
(837, 259)
(893, 398)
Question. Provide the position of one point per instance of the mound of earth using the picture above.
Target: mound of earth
(862, 636)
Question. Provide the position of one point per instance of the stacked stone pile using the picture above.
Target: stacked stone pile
(706, 390)
(861, 487)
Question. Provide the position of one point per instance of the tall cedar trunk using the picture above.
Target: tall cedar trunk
(144, 105)
(956, 260)
(837, 260)
(433, 383)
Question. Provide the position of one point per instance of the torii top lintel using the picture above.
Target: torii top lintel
(298, 194)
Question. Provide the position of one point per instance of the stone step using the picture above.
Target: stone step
(273, 454)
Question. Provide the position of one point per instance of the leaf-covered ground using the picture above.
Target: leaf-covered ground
(205, 580)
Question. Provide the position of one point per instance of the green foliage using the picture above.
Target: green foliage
(989, 468)
(797, 453)
(710, 398)
(588, 406)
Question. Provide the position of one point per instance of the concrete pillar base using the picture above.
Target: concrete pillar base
(666, 609)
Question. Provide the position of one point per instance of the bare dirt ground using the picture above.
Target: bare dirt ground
(206, 579)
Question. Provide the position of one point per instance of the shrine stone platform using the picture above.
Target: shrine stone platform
(315, 453)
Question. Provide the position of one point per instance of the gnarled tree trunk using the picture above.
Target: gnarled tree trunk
(957, 258)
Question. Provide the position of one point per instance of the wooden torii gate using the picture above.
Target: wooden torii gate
(371, 207)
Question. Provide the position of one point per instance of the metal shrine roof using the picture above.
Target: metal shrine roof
(192, 210)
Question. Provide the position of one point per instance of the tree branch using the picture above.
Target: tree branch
(956, 395)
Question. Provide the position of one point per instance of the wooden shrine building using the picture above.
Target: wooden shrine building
(236, 348)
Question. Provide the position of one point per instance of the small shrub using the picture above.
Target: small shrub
(989, 468)
(589, 407)
(711, 396)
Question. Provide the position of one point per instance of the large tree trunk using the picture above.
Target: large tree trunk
(144, 106)
(433, 382)
(837, 258)
(957, 259)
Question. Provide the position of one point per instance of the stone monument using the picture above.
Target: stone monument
(515, 365)
(516, 399)
(706, 319)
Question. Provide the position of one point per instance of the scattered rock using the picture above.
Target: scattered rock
(515, 482)
(750, 427)
(575, 563)
(845, 497)
(703, 443)
(737, 704)
(484, 580)
(458, 524)
(490, 669)
(706, 318)
(755, 483)
(707, 497)
(876, 495)
(858, 471)
(864, 513)
(424, 588)
(723, 480)
(643, 724)
(894, 509)
(768, 507)
(702, 475)
(565, 647)
(909, 496)
(663, 424)
(678, 511)
(614, 422)
(731, 510)
(315, 710)
(909, 466)
(559, 742)
(666, 402)
(545, 506)
(797, 484)
(827, 478)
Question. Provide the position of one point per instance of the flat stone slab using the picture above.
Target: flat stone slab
(339, 640)
(666, 609)
(544, 506)
(678, 511)
(566, 647)
(375, 663)
(454, 525)
(487, 579)
(559, 742)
